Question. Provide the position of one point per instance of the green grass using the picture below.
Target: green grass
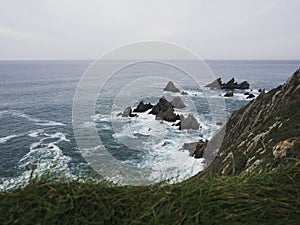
(248, 198)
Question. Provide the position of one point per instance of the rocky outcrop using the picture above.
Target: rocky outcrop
(178, 103)
(171, 87)
(217, 84)
(230, 85)
(189, 123)
(196, 149)
(164, 110)
(128, 112)
(142, 107)
(264, 134)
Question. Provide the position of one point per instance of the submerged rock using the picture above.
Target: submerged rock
(171, 87)
(178, 103)
(189, 123)
(142, 107)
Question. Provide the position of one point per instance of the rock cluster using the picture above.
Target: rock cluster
(142, 107)
(164, 110)
(230, 85)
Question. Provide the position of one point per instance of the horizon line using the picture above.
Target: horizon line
(209, 59)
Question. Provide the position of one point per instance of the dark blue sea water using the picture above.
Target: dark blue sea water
(36, 99)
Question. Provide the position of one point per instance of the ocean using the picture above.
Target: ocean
(36, 130)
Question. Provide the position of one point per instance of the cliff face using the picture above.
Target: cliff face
(263, 134)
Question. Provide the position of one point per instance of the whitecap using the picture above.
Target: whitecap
(7, 138)
(40, 122)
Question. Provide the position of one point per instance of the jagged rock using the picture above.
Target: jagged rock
(178, 103)
(183, 93)
(164, 110)
(196, 149)
(215, 84)
(171, 87)
(247, 93)
(189, 123)
(250, 96)
(119, 114)
(228, 94)
(143, 107)
(167, 115)
(191, 147)
(128, 112)
(243, 85)
(231, 84)
(200, 149)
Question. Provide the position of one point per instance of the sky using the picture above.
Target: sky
(86, 29)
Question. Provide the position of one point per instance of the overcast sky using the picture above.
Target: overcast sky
(218, 29)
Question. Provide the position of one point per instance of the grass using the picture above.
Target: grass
(249, 198)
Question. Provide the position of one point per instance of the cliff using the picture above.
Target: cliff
(264, 134)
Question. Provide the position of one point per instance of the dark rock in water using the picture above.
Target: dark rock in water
(183, 93)
(250, 96)
(189, 123)
(243, 85)
(162, 105)
(128, 112)
(164, 110)
(171, 87)
(247, 93)
(200, 149)
(143, 107)
(231, 84)
(259, 90)
(228, 94)
(119, 114)
(191, 147)
(167, 115)
(219, 123)
(215, 84)
(196, 149)
(178, 103)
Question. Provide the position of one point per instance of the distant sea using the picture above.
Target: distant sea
(36, 131)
